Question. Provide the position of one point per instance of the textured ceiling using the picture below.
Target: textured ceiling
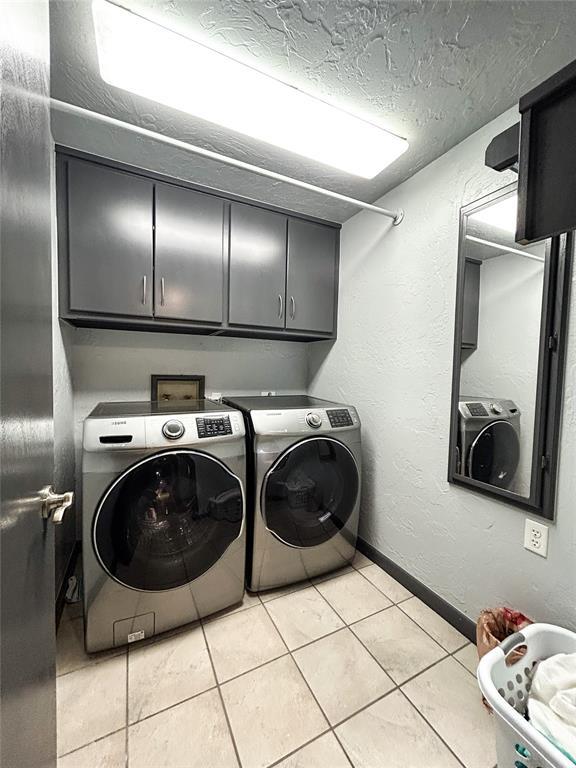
(432, 72)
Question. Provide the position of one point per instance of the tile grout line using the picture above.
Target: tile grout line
(172, 706)
(92, 662)
(464, 644)
(221, 697)
(429, 724)
(324, 715)
(394, 604)
(94, 741)
(342, 747)
(302, 746)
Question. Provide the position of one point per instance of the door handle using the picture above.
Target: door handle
(55, 504)
(280, 305)
(162, 287)
(144, 281)
(292, 307)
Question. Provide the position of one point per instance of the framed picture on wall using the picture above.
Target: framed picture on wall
(164, 387)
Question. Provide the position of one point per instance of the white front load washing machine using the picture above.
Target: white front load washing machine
(163, 517)
(304, 459)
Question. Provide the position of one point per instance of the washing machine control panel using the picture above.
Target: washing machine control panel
(211, 426)
(339, 417)
(160, 431)
(314, 420)
(173, 429)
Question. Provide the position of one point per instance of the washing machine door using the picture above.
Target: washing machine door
(310, 492)
(167, 519)
(494, 454)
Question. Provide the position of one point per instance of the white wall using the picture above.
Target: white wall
(393, 359)
(505, 363)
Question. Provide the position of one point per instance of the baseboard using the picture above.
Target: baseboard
(453, 616)
(70, 568)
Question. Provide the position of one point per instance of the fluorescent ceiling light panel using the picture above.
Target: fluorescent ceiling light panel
(142, 57)
(501, 215)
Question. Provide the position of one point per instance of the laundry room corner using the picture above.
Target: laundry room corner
(393, 359)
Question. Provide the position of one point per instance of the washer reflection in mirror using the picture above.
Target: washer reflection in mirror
(500, 324)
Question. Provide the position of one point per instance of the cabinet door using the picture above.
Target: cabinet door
(257, 267)
(188, 268)
(109, 240)
(311, 281)
(471, 304)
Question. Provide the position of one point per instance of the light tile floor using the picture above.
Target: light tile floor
(346, 670)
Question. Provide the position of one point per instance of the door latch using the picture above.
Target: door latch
(55, 504)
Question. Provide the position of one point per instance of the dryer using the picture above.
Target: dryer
(488, 440)
(304, 459)
(163, 517)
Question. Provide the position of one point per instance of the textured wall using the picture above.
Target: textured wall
(430, 71)
(393, 359)
(505, 363)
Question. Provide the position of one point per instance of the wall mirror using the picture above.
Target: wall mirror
(509, 347)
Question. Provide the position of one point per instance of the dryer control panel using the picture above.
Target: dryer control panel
(304, 421)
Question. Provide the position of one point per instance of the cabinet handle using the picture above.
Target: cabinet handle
(292, 307)
(144, 281)
(162, 291)
(280, 306)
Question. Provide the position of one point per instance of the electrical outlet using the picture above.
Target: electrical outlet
(269, 393)
(536, 537)
(216, 397)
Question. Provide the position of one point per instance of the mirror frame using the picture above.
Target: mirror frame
(550, 373)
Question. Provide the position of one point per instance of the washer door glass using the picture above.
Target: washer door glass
(167, 520)
(310, 492)
(494, 455)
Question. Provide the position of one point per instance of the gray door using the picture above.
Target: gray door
(109, 240)
(188, 270)
(257, 267)
(311, 276)
(27, 673)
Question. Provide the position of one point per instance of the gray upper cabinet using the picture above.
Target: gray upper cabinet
(257, 267)
(188, 275)
(137, 250)
(311, 276)
(109, 240)
(471, 303)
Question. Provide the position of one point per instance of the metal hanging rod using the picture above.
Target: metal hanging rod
(504, 248)
(72, 109)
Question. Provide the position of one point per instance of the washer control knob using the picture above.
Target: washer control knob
(314, 420)
(496, 408)
(173, 429)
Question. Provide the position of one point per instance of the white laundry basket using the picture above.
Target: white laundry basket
(506, 688)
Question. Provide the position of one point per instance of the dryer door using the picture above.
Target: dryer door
(167, 519)
(310, 492)
(494, 455)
